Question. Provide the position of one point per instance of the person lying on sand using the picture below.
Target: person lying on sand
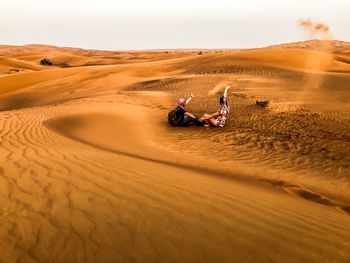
(180, 117)
(218, 118)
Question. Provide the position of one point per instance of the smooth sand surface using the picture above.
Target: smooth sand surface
(90, 171)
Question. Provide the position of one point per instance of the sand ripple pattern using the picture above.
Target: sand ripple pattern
(63, 201)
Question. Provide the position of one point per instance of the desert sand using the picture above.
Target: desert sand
(90, 170)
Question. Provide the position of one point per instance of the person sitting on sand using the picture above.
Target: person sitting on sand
(218, 118)
(181, 117)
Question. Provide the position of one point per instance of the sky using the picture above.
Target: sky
(165, 24)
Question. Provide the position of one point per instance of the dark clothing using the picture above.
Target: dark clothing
(180, 114)
(186, 121)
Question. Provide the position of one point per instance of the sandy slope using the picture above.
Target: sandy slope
(90, 171)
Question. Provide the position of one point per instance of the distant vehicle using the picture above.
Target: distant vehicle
(46, 61)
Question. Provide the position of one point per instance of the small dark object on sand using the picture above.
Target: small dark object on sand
(262, 103)
(45, 61)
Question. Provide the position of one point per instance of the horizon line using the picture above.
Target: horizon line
(188, 49)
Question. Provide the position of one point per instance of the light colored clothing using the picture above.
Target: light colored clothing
(221, 119)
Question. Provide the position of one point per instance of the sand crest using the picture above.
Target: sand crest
(91, 172)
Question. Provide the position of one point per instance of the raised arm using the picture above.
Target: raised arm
(189, 99)
(226, 89)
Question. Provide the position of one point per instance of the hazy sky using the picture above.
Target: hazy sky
(137, 24)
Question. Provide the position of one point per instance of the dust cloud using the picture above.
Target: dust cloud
(317, 61)
(316, 30)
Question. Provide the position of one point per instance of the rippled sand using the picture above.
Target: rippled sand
(91, 172)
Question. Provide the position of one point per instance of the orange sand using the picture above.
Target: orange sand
(91, 172)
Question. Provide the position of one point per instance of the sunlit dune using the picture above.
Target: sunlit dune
(91, 171)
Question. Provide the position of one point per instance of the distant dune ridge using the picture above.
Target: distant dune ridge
(90, 170)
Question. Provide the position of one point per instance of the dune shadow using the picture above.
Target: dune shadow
(198, 168)
(306, 194)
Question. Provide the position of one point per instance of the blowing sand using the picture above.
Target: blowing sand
(90, 171)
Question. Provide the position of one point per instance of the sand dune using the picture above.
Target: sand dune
(74, 57)
(315, 44)
(11, 66)
(91, 172)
